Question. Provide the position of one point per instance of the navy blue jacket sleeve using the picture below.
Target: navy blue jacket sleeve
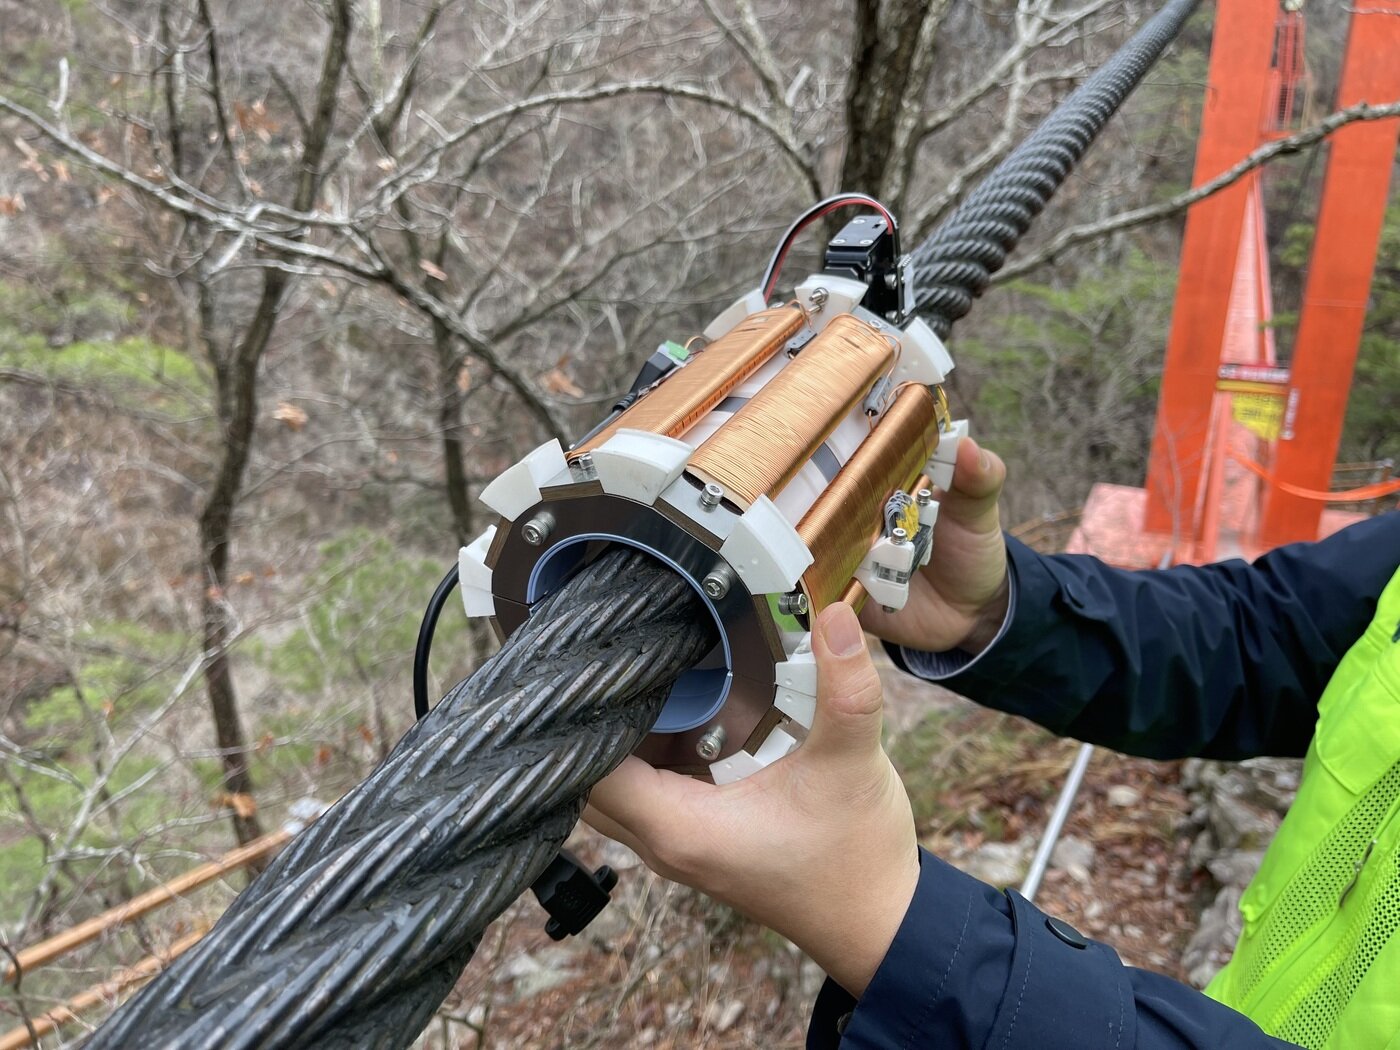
(974, 968)
(1225, 660)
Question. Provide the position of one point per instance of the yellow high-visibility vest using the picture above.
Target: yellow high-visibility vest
(1318, 963)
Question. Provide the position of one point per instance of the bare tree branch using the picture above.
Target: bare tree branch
(1091, 231)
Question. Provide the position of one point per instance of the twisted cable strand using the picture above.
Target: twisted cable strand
(356, 932)
(955, 265)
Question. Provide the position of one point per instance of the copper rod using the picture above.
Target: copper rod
(689, 393)
(97, 995)
(855, 595)
(760, 448)
(60, 944)
(848, 517)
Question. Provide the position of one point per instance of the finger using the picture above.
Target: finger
(640, 800)
(605, 825)
(978, 476)
(850, 700)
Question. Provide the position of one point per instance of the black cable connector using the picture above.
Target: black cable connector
(572, 894)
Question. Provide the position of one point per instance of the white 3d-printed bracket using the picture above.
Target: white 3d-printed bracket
(475, 577)
(639, 465)
(765, 550)
(940, 468)
(750, 302)
(518, 486)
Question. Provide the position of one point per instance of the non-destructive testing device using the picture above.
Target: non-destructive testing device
(783, 460)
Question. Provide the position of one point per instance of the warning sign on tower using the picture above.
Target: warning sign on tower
(1258, 397)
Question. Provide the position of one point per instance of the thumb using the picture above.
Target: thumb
(850, 700)
(972, 498)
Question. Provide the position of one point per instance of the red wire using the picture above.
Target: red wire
(792, 237)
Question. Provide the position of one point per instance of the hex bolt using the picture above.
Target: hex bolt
(711, 743)
(538, 528)
(838, 240)
(866, 242)
(819, 298)
(900, 536)
(717, 583)
(710, 497)
(794, 603)
(923, 497)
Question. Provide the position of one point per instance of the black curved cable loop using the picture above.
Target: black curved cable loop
(424, 648)
(955, 264)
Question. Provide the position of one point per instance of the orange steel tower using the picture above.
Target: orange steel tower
(1243, 452)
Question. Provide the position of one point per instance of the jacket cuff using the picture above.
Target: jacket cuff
(940, 666)
(971, 966)
(945, 971)
(1065, 991)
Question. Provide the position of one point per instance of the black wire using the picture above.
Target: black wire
(815, 212)
(425, 641)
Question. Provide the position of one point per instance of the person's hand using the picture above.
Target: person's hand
(819, 846)
(957, 601)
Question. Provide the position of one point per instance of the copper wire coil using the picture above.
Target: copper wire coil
(847, 518)
(759, 449)
(691, 392)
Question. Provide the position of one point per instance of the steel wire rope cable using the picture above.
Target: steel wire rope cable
(361, 926)
(955, 264)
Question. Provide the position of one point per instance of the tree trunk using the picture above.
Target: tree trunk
(459, 498)
(236, 372)
(891, 58)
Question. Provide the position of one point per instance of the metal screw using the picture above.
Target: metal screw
(711, 744)
(838, 240)
(819, 298)
(866, 243)
(893, 315)
(923, 497)
(900, 536)
(584, 466)
(710, 497)
(859, 222)
(891, 280)
(793, 604)
(718, 582)
(538, 528)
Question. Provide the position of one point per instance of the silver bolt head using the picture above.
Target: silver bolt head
(715, 585)
(537, 529)
(711, 495)
(867, 242)
(924, 497)
(711, 744)
(838, 240)
(899, 535)
(793, 604)
(819, 296)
